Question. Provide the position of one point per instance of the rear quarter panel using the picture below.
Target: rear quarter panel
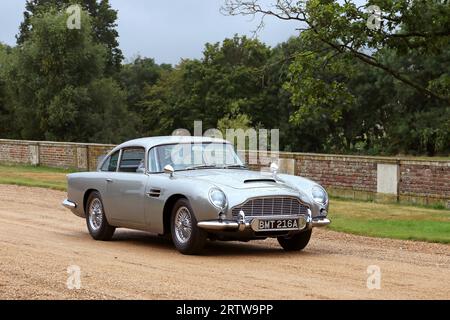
(79, 183)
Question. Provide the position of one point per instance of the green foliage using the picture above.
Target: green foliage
(394, 73)
(227, 83)
(56, 82)
(103, 23)
(134, 78)
(6, 118)
(339, 87)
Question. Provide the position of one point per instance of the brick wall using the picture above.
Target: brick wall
(15, 153)
(413, 181)
(425, 179)
(81, 156)
(339, 172)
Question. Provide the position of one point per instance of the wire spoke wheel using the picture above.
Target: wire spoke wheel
(95, 214)
(183, 224)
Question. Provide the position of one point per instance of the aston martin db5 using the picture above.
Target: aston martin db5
(193, 189)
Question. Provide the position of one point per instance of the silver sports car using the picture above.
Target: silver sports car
(194, 189)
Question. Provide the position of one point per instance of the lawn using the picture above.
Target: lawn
(357, 217)
(390, 220)
(32, 176)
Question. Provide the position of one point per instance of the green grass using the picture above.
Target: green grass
(31, 176)
(394, 221)
(367, 218)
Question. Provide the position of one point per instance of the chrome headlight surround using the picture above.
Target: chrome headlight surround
(218, 198)
(319, 195)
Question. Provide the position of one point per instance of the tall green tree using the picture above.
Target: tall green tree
(226, 83)
(134, 78)
(357, 30)
(103, 23)
(6, 117)
(375, 78)
(57, 82)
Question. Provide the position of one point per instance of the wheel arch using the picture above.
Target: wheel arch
(167, 211)
(86, 196)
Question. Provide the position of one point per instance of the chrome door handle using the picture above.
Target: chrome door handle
(109, 180)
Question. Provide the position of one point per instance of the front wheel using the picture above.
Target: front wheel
(97, 224)
(187, 237)
(295, 242)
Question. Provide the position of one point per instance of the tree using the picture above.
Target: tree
(58, 86)
(348, 28)
(371, 88)
(226, 83)
(6, 117)
(103, 22)
(134, 77)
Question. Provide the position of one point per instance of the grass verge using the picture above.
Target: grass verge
(31, 176)
(394, 221)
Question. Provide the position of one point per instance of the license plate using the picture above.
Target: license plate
(278, 224)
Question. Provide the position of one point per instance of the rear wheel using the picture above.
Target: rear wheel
(187, 237)
(97, 224)
(295, 242)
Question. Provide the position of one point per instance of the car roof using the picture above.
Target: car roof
(150, 142)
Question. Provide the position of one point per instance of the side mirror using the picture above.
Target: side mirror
(274, 168)
(140, 170)
(169, 170)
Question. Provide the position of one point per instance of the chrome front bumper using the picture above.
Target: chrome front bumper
(244, 224)
(69, 204)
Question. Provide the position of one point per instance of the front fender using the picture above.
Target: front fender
(304, 186)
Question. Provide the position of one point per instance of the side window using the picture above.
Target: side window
(111, 163)
(132, 160)
(152, 161)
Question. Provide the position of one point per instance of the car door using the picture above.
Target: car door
(126, 189)
(156, 194)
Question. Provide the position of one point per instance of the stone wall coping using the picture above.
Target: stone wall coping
(283, 154)
(378, 159)
(55, 143)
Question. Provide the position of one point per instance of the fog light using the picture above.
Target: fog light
(301, 223)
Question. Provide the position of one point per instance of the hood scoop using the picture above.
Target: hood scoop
(259, 180)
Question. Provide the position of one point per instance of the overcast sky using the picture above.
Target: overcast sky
(165, 30)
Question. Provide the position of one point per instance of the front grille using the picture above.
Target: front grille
(271, 206)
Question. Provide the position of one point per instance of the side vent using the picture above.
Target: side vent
(154, 193)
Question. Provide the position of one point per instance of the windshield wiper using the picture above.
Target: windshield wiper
(202, 166)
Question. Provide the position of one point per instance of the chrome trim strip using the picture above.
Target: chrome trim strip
(69, 204)
(219, 225)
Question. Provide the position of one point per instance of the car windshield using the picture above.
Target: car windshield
(192, 156)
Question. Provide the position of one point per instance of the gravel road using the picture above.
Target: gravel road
(39, 240)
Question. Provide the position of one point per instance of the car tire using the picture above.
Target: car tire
(187, 237)
(295, 242)
(96, 221)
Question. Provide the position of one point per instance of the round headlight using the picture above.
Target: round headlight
(218, 198)
(319, 195)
